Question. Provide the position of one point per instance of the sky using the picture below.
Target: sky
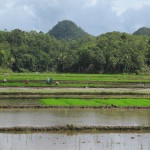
(93, 16)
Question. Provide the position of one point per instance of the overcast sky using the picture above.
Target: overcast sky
(94, 16)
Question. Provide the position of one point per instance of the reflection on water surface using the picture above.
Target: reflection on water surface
(59, 117)
(102, 141)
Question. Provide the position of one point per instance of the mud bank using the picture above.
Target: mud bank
(71, 107)
(76, 128)
(87, 95)
(77, 89)
(75, 93)
(71, 96)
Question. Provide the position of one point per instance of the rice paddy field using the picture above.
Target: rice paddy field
(73, 103)
(74, 80)
(79, 77)
(95, 102)
(77, 89)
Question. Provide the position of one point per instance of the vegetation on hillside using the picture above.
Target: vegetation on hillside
(142, 31)
(112, 52)
(67, 30)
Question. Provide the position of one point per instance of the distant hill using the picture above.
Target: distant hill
(142, 31)
(67, 30)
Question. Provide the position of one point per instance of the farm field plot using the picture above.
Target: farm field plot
(75, 80)
(75, 91)
(78, 92)
(96, 102)
(79, 77)
(67, 141)
(76, 117)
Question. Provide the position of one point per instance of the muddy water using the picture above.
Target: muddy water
(102, 141)
(59, 117)
(19, 102)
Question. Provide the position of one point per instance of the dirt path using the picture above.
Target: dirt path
(67, 90)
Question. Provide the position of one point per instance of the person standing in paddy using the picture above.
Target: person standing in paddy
(51, 80)
(47, 80)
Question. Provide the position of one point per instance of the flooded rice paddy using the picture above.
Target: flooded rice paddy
(51, 141)
(78, 117)
(19, 102)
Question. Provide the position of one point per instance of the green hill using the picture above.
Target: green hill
(142, 31)
(67, 30)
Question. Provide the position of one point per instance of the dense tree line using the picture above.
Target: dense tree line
(28, 51)
(113, 52)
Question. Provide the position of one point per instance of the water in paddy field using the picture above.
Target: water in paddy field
(79, 141)
(79, 117)
(19, 102)
(50, 141)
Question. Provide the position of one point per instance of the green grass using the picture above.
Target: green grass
(43, 84)
(4, 70)
(73, 80)
(39, 84)
(77, 77)
(22, 84)
(95, 102)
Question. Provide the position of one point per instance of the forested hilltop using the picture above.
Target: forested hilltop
(67, 30)
(112, 52)
(142, 31)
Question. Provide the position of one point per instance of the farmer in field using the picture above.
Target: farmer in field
(57, 83)
(47, 80)
(51, 80)
(4, 80)
(26, 82)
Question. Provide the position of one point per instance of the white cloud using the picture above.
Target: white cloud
(29, 11)
(94, 16)
(46, 3)
(121, 6)
(137, 26)
(90, 3)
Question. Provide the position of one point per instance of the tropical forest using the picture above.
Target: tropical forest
(68, 48)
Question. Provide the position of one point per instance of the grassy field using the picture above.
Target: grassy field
(39, 84)
(96, 102)
(76, 77)
(74, 80)
(90, 86)
(76, 85)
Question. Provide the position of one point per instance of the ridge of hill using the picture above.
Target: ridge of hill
(67, 30)
(142, 31)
